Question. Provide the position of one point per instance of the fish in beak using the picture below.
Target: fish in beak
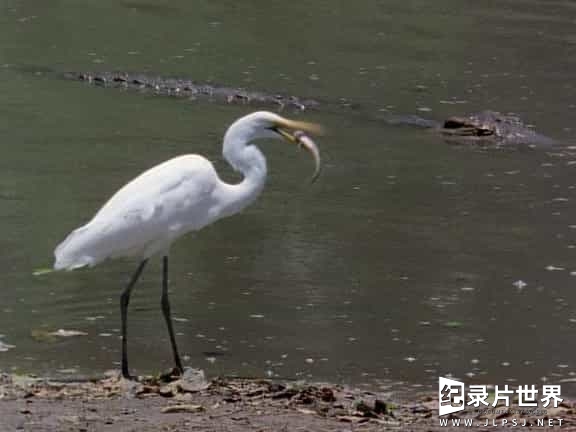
(296, 132)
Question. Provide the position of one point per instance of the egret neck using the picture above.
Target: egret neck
(250, 162)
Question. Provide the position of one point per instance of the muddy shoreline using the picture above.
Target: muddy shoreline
(192, 403)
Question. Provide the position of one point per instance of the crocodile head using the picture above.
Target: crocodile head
(491, 127)
(483, 124)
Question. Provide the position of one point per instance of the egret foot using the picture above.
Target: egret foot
(170, 375)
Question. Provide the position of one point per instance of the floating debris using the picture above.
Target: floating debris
(520, 284)
(6, 347)
(453, 102)
(453, 324)
(554, 268)
(67, 333)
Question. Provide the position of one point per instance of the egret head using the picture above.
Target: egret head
(264, 124)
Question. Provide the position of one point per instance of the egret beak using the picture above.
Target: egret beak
(295, 132)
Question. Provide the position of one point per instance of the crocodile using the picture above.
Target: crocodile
(488, 128)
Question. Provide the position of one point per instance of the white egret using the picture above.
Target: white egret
(183, 194)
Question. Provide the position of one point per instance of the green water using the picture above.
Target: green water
(397, 266)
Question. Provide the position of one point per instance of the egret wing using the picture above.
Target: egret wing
(146, 215)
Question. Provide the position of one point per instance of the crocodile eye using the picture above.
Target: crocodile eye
(453, 124)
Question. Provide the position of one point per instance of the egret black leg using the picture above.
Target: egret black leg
(124, 300)
(166, 311)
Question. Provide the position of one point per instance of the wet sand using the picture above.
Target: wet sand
(167, 403)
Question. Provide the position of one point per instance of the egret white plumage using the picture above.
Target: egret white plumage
(173, 198)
